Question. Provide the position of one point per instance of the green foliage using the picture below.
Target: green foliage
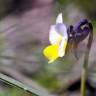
(63, 2)
(88, 6)
(47, 80)
(94, 25)
(23, 86)
(12, 92)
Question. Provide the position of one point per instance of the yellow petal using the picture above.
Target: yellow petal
(51, 52)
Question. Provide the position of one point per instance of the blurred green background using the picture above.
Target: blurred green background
(24, 27)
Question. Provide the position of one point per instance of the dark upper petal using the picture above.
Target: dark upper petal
(80, 23)
(82, 34)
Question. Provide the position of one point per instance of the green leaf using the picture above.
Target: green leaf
(20, 85)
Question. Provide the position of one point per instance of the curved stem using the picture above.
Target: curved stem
(85, 64)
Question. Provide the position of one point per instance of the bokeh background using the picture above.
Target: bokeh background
(24, 27)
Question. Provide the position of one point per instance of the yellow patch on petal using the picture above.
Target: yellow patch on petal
(51, 52)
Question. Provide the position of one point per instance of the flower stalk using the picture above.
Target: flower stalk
(85, 64)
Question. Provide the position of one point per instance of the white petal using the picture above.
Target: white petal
(59, 19)
(54, 36)
(62, 47)
(62, 29)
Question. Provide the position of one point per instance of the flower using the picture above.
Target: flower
(58, 38)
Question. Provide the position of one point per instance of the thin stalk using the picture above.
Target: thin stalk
(85, 64)
(84, 75)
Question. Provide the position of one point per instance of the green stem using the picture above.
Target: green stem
(85, 64)
(84, 76)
